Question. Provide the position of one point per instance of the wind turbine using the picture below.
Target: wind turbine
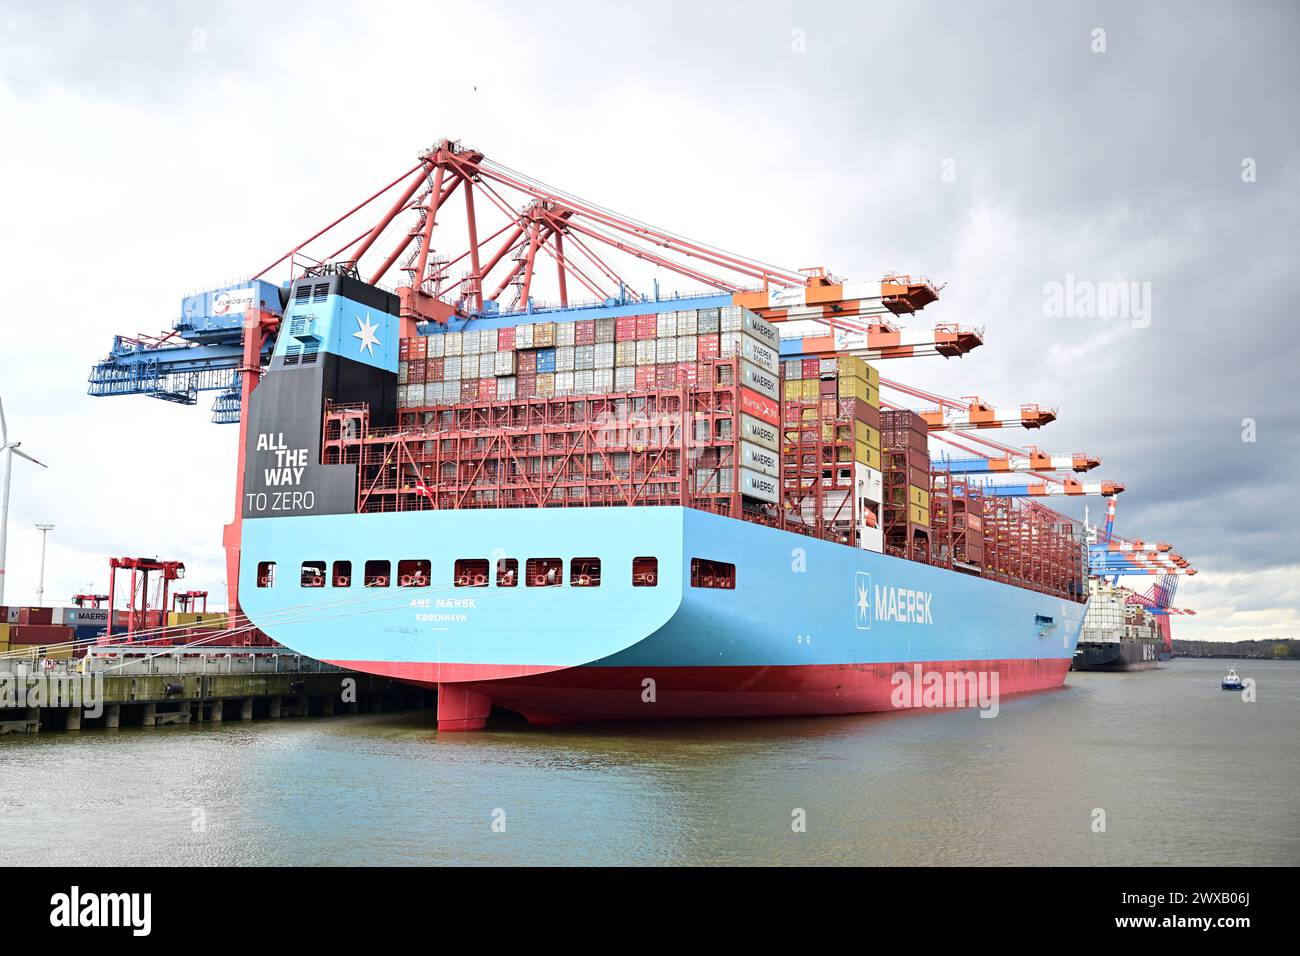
(10, 449)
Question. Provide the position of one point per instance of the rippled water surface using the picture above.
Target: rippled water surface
(1185, 772)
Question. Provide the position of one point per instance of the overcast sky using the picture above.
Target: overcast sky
(997, 147)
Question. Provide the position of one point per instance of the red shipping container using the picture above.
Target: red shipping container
(415, 374)
(706, 347)
(625, 328)
(404, 349)
(811, 368)
(487, 388)
(665, 376)
(828, 388)
(420, 347)
(469, 390)
(526, 361)
(506, 339)
(435, 369)
(526, 385)
(760, 406)
(645, 376)
(584, 332)
(40, 634)
(647, 326)
(686, 373)
(35, 615)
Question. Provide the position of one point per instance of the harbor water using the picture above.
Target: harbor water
(1178, 771)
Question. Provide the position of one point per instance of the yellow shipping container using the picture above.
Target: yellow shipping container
(872, 395)
(873, 375)
(867, 455)
(57, 653)
(850, 366)
(918, 496)
(792, 390)
(854, 388)
(4, 647)
(867, 434)
(809, 388)
(4, 633)
(828, 433)
(214, 619)
(918, 515)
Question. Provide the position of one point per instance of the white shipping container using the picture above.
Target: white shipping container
(602, 380)
(666, 351)
(603, 355)
(564, 333)
(505, 364)
(451, 368)
(506, 385)
(604, 331)
(687, 349)
(706, 322)
(433, 393)
(755, 326)
(728, 344)
(729, 318)
(584, 358)
(583, 382)
(564, 358)
(437, 345)
(645, 351)
(563, 383)
(624, 379)
(760, 380)
(524, 336)
(688, 322)
(625, 354)
(759, 354)
(472, 343)
(403, 370)
(762, 487)
(760, 459)
(666, 325)
(759, 432)
(455, 340)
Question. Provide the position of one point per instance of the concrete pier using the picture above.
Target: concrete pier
(167, 691)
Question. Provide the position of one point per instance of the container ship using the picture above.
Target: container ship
(1118, 634)
(659, 509)
(648, 506)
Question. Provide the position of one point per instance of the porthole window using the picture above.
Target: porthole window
(378, 574)
(413, 573)
(645, 572)
(544, 572)
(313, 574)
(266, 574)
(706, 573)
(507, 572)
(584, 572)
(471, 573)
(342, 576)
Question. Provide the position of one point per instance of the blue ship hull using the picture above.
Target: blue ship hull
(809, 627)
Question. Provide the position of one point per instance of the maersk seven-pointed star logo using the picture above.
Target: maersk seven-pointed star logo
(366, 333)
(862, 595)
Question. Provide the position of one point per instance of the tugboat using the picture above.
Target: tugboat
(1231, 681)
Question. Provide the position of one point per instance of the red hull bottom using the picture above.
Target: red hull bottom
(633, 693)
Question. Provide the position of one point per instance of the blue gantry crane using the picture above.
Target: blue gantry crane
(203, 352)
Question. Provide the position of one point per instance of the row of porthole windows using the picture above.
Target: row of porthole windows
(475, 573)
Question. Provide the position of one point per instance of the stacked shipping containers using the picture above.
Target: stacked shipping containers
(905, 445)
(612, 355)
(831, 429)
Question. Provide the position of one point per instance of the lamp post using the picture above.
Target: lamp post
(44, 529)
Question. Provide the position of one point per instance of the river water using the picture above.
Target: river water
(1185, 773)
